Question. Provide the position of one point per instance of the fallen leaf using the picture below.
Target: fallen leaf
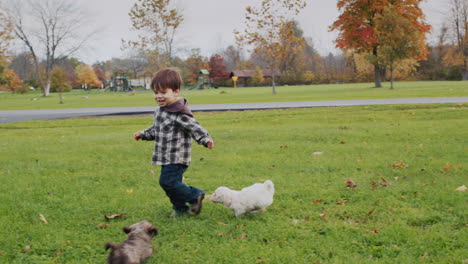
(317, 153)
(130, 191)
(317, 201)
(399, 165)
(425, 255)
(283, 147)
(447, 167)
(350, 183)
(109, 217)
(58, 252)
(384, 182)
(242, 236)
(461, 188)
(43, 219)
(221, 223)
(370, 212)
(342, 142)
(26, 248)
(323, 216)
(375, 230)
(103, 225)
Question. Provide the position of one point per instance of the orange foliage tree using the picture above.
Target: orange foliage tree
(86, 76)
(11, 81)
(357, 26)
(399, 41)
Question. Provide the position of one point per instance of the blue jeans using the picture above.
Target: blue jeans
(179, 193)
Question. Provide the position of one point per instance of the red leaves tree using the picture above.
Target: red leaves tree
(217, 68)
(357, 26)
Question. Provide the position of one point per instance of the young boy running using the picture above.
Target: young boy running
(173, 130)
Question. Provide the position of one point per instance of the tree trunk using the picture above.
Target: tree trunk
(273, 87)
(377, 76)
(465, 71)
(391, 78)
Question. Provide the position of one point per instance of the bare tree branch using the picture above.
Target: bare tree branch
(54, 30)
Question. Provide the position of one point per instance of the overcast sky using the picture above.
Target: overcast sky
(209, 24)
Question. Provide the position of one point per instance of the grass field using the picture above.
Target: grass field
(406, 160)
(95, 98)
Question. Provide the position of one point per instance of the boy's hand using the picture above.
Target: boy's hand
(136, 136)
(210, 144)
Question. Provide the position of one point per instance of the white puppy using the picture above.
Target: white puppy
(252, 199)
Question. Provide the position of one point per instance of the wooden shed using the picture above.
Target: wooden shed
(244, 76)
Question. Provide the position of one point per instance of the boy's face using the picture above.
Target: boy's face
(165, 97)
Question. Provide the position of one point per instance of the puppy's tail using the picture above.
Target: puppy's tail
(110, 245)
(269, 185)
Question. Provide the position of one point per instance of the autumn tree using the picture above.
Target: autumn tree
(59, 82)
(293, 64)
(11, 82)
(265, 30)
(158, 22)
(99, 73)
(50, 29)
(86, 76)
(399, 41)
(357, 26)
(257, 78)
(6, 36)
(193, 64)
(457, 55)
(217, 68)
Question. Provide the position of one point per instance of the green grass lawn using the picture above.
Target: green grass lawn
(95, 98)
(407, 161)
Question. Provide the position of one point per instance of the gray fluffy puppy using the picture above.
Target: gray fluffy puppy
(136, 248)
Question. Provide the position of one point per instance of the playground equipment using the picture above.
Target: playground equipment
(120, 84)
(203, 79)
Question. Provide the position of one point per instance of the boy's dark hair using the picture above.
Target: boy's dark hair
(166, 79)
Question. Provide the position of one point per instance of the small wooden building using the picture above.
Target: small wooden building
(244, 76)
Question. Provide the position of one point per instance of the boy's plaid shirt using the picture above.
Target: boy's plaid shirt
(173, 133)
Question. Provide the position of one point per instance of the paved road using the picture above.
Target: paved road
(23, 115)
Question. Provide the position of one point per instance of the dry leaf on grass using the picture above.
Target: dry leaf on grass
(221, 223)
(350, 183)
(370, 212)
(461, 188)
(399, 165)
(43, 219)
(26, 248)
(102, 225)
(323, 216)
(375, 230)
(58, 252)
(114, 216)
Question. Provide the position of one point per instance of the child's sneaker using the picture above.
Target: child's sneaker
(195, 208)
